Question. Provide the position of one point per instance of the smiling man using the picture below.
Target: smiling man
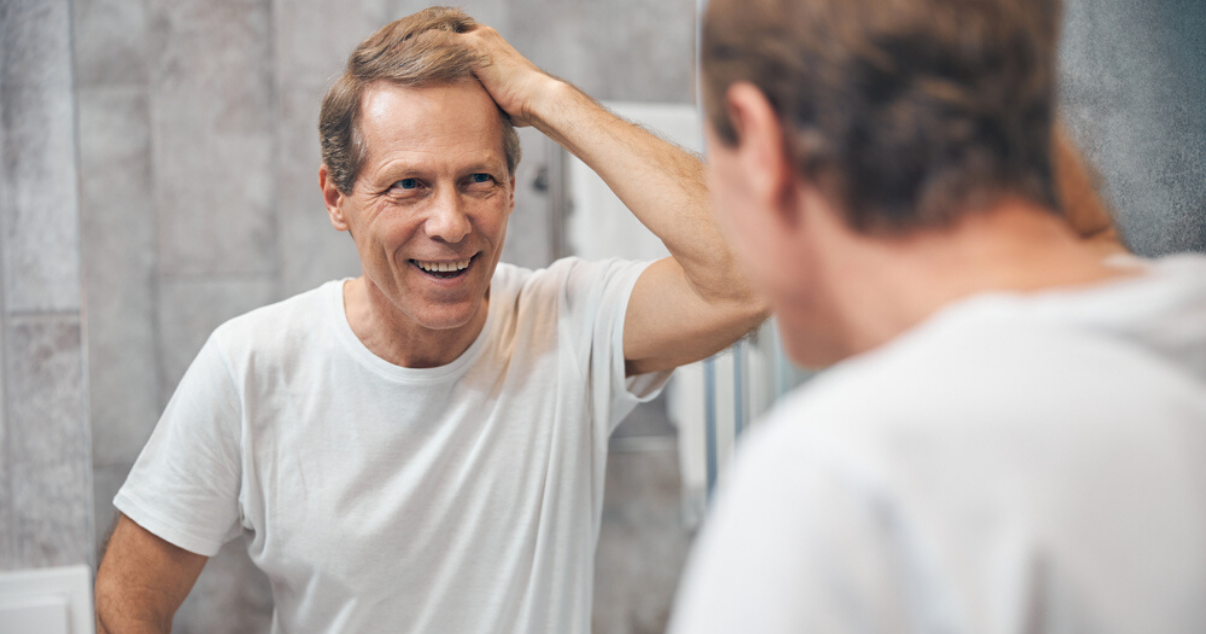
(422, 448)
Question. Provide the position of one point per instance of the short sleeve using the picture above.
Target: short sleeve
(184, 488)
(596, 304)
(791, 545)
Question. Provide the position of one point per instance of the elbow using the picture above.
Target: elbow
(740, 300)
(118, 611)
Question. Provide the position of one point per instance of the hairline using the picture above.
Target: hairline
(360, 147)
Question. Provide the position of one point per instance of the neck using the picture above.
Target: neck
(878, 287)
(394, 336)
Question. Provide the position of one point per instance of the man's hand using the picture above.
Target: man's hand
(142, 581)
(684, 307)
(514, 82)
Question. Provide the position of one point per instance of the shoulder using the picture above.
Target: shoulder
(275, 330)
(977, 387)
(569, 278)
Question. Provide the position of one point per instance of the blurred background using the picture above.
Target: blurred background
(158, 175)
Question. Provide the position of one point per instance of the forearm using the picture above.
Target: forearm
(122, 609)
(1082, 203)
(663, 185)
(142, 581)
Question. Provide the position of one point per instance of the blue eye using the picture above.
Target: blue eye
(482, 178)
(408, 183)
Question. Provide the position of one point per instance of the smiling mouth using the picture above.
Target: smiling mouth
(444, 270)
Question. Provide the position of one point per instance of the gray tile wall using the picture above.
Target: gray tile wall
(46, 516)
(1133, 76)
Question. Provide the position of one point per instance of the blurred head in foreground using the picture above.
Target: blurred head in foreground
(881, 120)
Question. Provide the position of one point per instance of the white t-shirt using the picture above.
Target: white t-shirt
(1018, 463)
(464, 498)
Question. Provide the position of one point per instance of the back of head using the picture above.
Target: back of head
(418, 50)
(904, 113)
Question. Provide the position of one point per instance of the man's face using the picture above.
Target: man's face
(429, 208)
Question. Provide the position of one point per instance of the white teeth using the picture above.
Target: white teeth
(443, 267)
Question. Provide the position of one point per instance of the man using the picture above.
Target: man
(422, 448)
(1013, 434)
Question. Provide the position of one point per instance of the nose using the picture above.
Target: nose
(448, 221)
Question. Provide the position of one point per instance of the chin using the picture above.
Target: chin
(448, 317)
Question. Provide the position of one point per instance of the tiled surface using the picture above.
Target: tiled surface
(311, 250)
(119, 269)
(110, 42)
(312, 38)
(492, 12)
(530, 230)
(7, 556)
(655, 37)
(550, 33)
(621, 50)
(8, 559)
(211, 110)
(1133, 77)
(45, 468)
(106, 481)
(36, 42)
(42, 222)
(49, 441)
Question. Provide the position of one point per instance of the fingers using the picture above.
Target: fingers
(511, 79)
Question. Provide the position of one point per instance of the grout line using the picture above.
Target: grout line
(156, 276)
(8, 551)
(84, 399)
(274, 105)
(34, 315)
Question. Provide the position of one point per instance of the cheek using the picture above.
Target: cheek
(489, 218)
(740, 224)
(492, 216)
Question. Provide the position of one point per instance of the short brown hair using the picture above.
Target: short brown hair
(904, 113)
(417, 50)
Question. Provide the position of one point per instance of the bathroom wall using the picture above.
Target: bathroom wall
(45, 463)
(1133, 82)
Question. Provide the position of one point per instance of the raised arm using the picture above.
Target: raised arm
(1078, 194)
(142, 581)
(684, 307)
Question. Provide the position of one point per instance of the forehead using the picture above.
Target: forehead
(437, 125)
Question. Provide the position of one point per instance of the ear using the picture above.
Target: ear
(761, 151)
(333, 198)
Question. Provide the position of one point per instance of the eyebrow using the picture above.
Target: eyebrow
(484, 165)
